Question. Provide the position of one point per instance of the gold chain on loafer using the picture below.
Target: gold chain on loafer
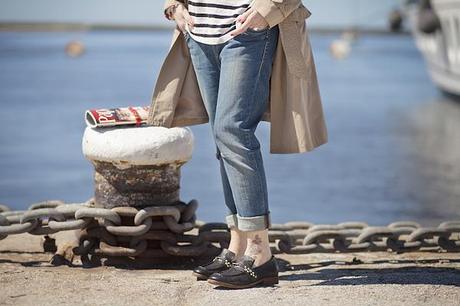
(226, 262)
(246, 269)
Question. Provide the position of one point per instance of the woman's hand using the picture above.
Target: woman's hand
(181, 17)
(249, 19)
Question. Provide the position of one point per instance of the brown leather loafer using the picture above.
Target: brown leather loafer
(221, 262)
(243, 275)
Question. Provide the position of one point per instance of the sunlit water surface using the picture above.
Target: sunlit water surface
(394, 142)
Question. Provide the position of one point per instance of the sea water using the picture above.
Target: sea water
(393, 140)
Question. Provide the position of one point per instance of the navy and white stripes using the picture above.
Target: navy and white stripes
(214, 19)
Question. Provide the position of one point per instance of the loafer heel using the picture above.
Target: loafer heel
(270, 280)
(200, 277)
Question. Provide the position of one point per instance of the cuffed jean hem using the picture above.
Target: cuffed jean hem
(232, 221)
(247, 224)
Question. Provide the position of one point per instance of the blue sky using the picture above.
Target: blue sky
(325, 13)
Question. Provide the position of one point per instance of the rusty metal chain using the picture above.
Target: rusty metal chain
(162, 231)
(52, 216)
(402, 236)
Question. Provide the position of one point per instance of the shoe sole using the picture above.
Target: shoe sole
(263, 281)
(200, 276)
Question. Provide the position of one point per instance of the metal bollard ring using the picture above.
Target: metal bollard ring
(372, 232)
(13, 216)
(38, 214)
(353, 225)
(319, 236)
(154, 211)
(410, 224)
(42, 213)
(128, 230)
(423, 233)
(4, 208)
(18, 228)
(325, 227)
(68, 211)
(91, 212)
(46, 204)
(69, 224)
(177, 227)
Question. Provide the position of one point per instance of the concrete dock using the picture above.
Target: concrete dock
(365, 278)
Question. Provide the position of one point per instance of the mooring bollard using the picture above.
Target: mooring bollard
(137, 166)
(136, 198)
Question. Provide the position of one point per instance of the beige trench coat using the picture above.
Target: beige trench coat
(294, 110)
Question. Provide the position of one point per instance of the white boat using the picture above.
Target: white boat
(435, 26)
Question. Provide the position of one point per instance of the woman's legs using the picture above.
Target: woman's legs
(207, 70)
(235, 109)
(246, 63)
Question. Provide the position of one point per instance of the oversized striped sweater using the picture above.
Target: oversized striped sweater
(214, 19)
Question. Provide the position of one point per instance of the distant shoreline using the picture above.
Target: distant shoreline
(62, 27)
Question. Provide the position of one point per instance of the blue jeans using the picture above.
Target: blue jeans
(234, 82)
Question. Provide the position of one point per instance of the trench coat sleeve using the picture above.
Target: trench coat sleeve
(275, 11)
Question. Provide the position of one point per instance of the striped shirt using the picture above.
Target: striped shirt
(214, 19)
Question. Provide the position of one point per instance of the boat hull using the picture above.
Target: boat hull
(441, 48)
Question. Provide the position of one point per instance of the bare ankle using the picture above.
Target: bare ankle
(258, 247)
(238, 242)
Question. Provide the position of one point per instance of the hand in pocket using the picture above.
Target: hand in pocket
(250, 19)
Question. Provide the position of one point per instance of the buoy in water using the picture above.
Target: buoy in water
(340, 48)
(74, 48)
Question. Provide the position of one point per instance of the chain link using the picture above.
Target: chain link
(161, 231)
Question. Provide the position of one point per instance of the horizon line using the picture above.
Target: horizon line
(78, 26)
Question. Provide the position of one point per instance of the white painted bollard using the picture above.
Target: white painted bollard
(137, 166)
